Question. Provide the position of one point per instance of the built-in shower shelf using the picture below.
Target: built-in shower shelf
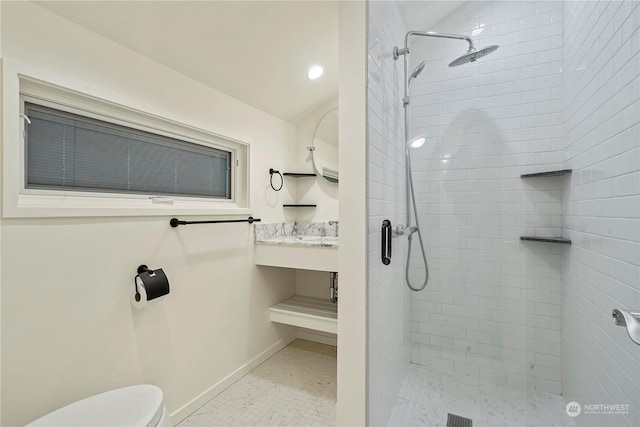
(561, 172)
(306, 312)
(298, 175)
(547, 239)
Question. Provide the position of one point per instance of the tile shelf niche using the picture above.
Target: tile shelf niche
(561, 172)
(546, 239)
(553, 173)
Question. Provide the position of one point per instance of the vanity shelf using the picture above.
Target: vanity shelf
(561, 172)
(298, 206)
(298, 175)
(547, 239)
(306, 312)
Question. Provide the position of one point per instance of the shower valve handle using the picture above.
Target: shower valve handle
(402, 230)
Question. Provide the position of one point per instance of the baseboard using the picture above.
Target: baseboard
(317, 336)
(190, 407)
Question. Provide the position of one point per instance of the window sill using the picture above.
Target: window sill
(40, 206)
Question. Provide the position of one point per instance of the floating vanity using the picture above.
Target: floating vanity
(301, 245)
(306, 246)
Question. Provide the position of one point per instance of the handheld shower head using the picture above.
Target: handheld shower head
(472, 55)
(418, 69)
(416, 72)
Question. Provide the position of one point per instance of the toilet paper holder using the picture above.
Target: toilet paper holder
(155, 283)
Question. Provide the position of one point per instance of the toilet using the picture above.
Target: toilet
(138, 405)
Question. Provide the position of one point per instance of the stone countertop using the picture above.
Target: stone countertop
(309, 234)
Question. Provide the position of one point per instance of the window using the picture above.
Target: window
(66, 151)
(91, 153)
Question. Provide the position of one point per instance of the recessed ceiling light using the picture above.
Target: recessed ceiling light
(315, 72)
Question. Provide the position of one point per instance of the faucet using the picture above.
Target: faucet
(336, 224)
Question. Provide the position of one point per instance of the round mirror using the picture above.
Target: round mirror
(324, 149)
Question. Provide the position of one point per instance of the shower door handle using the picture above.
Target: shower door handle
(386, 242)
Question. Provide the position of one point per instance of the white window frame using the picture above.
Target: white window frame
(22, 85)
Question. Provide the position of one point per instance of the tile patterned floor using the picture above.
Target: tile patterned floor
(427, 396)
(295, 387)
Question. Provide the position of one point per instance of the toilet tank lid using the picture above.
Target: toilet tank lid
(138, 405)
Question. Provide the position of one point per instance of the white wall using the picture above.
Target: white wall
(387, 295)
(312, 190)
(1, 133)
(351, 406)
(68, 330)
(493, 305)
(601, 119)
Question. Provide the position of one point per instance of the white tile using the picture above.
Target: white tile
(296, 386)
(427, 396)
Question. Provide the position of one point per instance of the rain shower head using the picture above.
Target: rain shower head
(472, 55)
(417, 70)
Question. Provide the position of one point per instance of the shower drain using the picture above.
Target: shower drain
(458, 421)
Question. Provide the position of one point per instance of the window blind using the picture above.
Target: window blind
(66, 151)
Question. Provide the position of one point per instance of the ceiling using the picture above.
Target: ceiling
(422, 15)
(258, 52)
(255, 51)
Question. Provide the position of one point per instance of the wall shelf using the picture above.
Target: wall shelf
(298, 206)
(561, 172)
(298, 175)
(306, 312)
(546, 239)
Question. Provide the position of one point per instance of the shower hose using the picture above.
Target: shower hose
(410, 238)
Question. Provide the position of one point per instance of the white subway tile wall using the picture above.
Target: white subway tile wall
(387, 296)
(493, 308)
(601, 121)
(562, 91)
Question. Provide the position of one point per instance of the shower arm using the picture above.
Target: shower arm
(405, 51)
(397, 52)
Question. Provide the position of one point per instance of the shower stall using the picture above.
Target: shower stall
(525, 198)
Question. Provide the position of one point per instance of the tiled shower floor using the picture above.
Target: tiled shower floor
(295, 387)
(427, 396)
